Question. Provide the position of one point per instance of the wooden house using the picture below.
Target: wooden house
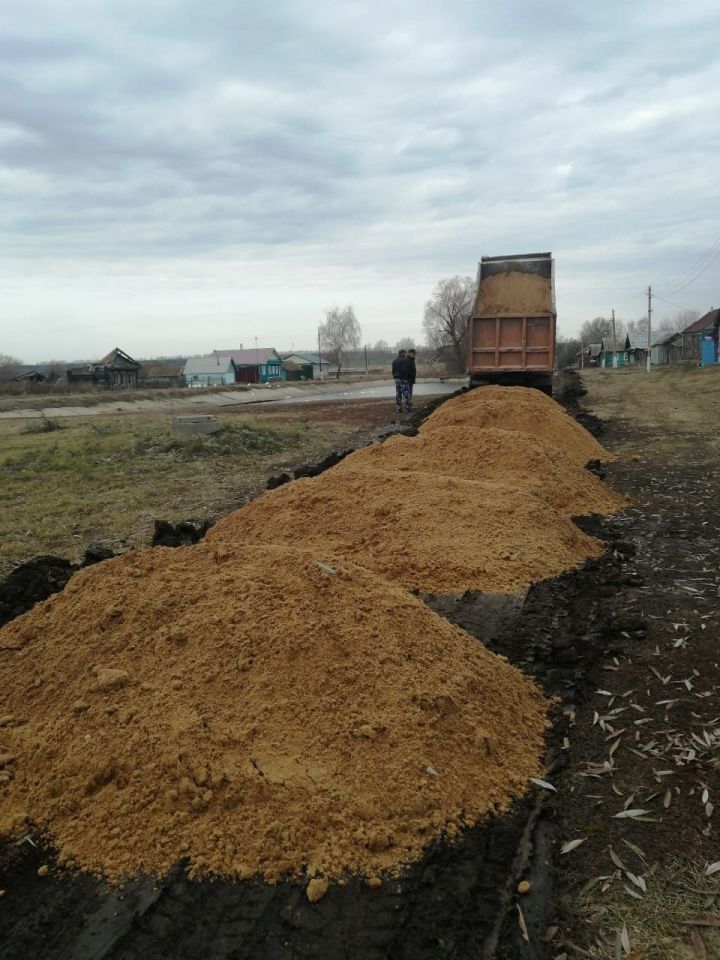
(699, 341)
(116, 371)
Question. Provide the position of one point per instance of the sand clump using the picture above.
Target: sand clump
(515, 293)
(255, 712)
(431, 533)
(525, 411)
(500, 456)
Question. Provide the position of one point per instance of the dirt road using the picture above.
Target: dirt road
(212, 400)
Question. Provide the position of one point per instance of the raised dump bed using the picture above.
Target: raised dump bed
(511, 335)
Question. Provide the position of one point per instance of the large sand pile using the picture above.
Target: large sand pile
(501, 456)
(432, 533)
(255, 711)
(514, 292)
(515, 408)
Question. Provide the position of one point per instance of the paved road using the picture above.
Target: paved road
(198, 399)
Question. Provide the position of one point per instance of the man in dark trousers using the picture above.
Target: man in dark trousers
(400, 374)
(412, 373)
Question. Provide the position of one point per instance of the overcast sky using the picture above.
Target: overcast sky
(178, 176)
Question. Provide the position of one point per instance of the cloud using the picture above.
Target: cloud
(264, 161)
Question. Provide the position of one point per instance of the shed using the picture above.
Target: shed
(588, 356)
(637, 347)
(116, 371)
(209, 371)
(666, 348)
(260, 365)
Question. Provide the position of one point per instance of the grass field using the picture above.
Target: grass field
(71, 482)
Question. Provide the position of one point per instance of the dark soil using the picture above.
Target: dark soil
(596, 628)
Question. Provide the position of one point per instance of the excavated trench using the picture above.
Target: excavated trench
(458, 901)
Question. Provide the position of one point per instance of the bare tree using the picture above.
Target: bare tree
(10, 367)
(405, 343)
(684, 319)
(340, 332)
(447, 313)
(593, 331)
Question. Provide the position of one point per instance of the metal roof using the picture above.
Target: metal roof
(250, 358)
(204, 366)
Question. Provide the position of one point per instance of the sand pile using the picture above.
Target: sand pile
(514, 292)
(501, 456)
(255, 712)
(515, 408)
(432, 533)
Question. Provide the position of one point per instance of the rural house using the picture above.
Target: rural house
(699, 341)
(260, 365)
(302, 366)
(212, 371)
(614, 353)
(116, 371)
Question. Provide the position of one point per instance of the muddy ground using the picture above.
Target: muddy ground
(628, 646)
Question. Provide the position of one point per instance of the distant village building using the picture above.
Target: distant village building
(210, 371)
(161, 374)
(699, 341)
(302, 366)
(588, 356)
(614, 353)
(116, 371)
(31, 376)
(260, 365)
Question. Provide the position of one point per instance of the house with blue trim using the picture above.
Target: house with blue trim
(259, 365)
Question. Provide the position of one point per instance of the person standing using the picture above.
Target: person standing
(399, 372)
(412, 373)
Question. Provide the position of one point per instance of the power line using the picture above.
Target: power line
(691, 275)
(670, 303)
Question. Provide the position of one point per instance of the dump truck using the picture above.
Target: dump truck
(511, 331)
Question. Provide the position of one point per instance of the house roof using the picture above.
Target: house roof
(303, 357)
(117, 357)
(250, 358)
(205, 366)
(664, 336)
(710, 319)
(31, 375)
(615, 346)
(638, 339)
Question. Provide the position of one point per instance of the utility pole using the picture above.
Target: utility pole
(582, 355)
(649, 343)
(615, 356)
(319, 354)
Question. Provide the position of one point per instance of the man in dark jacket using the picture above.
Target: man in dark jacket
(400, 374)
(412, 373)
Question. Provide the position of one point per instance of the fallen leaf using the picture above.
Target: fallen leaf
(543, 783)
(631, 814)
(712, 868)
(522, 924)
(572, 845)
(625, 939)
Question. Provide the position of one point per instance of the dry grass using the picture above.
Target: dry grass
(657, 926)
(106, 479)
